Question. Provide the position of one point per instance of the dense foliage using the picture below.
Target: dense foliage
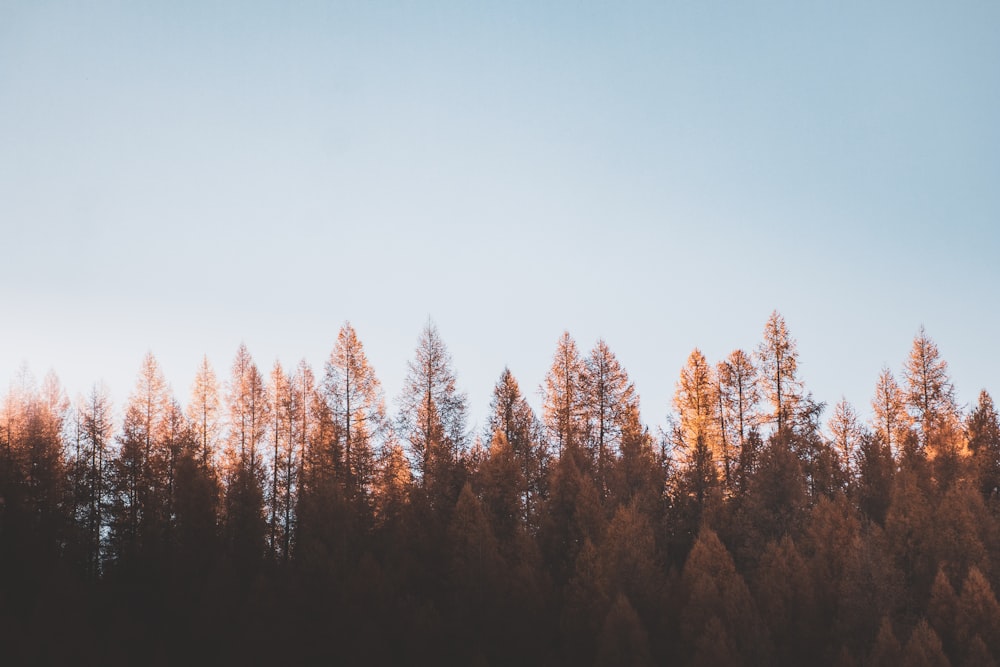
(288, 518)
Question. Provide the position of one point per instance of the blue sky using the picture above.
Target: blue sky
(181, 177)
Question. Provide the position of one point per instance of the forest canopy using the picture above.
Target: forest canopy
(292, 515)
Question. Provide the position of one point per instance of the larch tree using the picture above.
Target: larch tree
(354, 396)
(138, 520)
(511, 416)
(696, 405)
(248, 421)
(889, 417)
(846, 431)
(432, 417)
(778, 363)
(280, 432)
(930, 395)
(983, 432)
(608, 397)
(203, 410)
(563, 408)
(738, 396)
(97, 420)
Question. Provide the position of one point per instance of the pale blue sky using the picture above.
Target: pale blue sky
(178, 177)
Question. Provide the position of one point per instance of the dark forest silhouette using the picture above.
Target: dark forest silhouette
(289, 517)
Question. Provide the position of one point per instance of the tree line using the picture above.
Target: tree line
(289, 516)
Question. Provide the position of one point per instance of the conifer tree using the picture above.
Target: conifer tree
(930, 395)
(432, 418)
(282, 411)
(696, 405)
(563, 407)
(983, 429)
(889, 417)
(203, 410)
(778, 362)
(511, 415)
(739, 394)
(846, 431)
(248, 421)
(354, 397)
(608, 396)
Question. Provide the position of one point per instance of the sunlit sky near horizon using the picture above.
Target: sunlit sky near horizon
(181, 177)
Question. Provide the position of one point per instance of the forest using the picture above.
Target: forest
(290, 516)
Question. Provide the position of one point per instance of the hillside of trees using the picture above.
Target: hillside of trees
(291, 516)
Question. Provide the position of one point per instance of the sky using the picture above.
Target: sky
(183, 177)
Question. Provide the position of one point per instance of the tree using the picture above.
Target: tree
(432, 418)
(248, 422)
(623, 639)
(778, 362)
(785, 595)
(511, 415)
(696, 405)
(983, 431)
(563, 408)
(738, 394)
(889, 416)
(98, 430)
(846, 430)
(354, 397)
(282, 410)
(887, 651)
(924, 648)
(203, 410)
(930, 395)
(711, 587)
(140, 504)
(874, 479)
(608, 395)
